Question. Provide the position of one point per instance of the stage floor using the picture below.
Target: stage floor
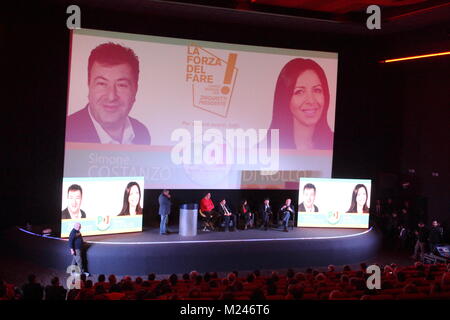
(148, 251)
(152, 236)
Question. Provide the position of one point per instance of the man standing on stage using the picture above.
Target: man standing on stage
(164, 211)
(76, 247)
(266, 213)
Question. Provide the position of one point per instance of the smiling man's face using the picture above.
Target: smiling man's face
(112, 93)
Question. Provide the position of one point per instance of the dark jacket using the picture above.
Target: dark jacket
(301, 208)
(436, 235)
(423, 234)
(80, 128)
(75, 240)
(32, 291)
(262, 208)
(164, 205)
(285, 210)
(241, 209)
(55, 293)
(221, 211)
(66, 214)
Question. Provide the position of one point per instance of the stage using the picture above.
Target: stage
(148, 251)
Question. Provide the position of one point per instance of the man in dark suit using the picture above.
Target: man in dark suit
(265, 212)
(164, 211)
(309, 195)
(227, 215)
(285, 213)
(113, 73)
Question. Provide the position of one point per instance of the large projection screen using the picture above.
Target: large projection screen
(334, 203)
(102, 205)
(188, 114)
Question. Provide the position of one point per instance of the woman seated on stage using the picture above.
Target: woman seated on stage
(246, 214)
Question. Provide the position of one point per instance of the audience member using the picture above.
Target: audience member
(430, 280)
(55, 291)
(257, 294)
(32, 290)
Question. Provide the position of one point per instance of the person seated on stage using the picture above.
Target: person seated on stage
(246, 214)
(309, 195)
(74, 197)
(285, 213)
(227, 215)
(207, 209)
(266, 213)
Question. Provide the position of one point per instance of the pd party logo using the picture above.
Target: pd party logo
(103, 222)
(212, 79)
(333, 217)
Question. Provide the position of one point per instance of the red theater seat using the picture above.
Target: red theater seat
(424, 289)
(344, 298)
(439, 296)
(356, 293)
(411, 296)
(378, 297)
(211, 294)
(395, 291)
(310, 296)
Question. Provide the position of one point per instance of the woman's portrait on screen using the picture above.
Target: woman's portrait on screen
(131, 200)
(359, 200)
(300, 108)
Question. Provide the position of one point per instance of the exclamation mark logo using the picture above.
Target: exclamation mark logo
(229, 73)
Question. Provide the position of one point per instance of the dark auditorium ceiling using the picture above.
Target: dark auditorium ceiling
(333, 10)
(339, 16)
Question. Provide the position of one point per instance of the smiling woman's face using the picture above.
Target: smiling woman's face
(133, 198)
(307, 99)
(361, 197)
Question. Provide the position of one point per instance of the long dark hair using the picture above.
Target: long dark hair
(282, 116)
(241, 207)
(126, 205)
(353, 206)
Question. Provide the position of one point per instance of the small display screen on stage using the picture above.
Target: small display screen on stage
(334, 203)
(102, 205)
(198, 115)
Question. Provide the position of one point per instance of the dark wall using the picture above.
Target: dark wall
(425, 131)
(420, 90)
(373, 118)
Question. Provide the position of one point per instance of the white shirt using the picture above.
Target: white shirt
(75, 215)
(225, 209)
(309, 209)
(127, 135)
